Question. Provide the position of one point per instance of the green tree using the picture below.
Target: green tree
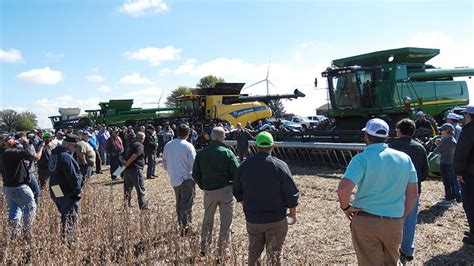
(209, 81)
(24, 122)
(10, 120)
(277, 107)
(8, 117)
(180, 91)
(31, 116)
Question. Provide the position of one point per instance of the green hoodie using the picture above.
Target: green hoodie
(215, 166)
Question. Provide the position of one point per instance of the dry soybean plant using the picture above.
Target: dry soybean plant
(107, 233)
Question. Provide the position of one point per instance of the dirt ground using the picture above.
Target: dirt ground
(321, 234)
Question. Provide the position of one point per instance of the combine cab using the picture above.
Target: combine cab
(391, 85)
(69, 117)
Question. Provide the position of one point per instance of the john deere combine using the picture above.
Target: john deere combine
(392, 84)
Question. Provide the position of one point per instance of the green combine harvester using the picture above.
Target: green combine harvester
(121, 113)
(111, 113)
(391, 85)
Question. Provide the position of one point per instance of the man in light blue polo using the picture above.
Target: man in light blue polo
(386, 192)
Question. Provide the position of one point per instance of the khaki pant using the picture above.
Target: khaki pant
(376, 240)
(225, 200)
(269, 235)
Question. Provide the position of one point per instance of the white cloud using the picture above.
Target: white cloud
(187, 66)
(135, 78)
(95, 78)
(154, 55)
(41, 76)
(145, 97)
(137, 8)
(104, 89)
(10, 56)
(453, 53)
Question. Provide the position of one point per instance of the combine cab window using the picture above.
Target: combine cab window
(353, 90)
(346, 91)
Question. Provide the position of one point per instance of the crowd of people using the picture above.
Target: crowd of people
(383, 213)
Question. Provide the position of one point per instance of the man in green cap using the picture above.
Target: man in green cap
(265, 187)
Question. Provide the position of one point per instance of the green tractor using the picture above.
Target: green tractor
(391, 85)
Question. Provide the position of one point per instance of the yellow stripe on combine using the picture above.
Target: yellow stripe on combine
(441, 102)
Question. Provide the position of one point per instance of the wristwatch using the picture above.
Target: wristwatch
(346, 208)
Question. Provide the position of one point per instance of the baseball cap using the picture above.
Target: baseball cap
(447, 127)
(469, 109)
(71, 138)
(452, 116)
(7, 138)
(420, 113)
(264, 140)
(374, 125)
(46, 134)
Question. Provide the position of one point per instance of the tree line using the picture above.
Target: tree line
(12, 121)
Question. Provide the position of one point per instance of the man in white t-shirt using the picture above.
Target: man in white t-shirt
(178, 160)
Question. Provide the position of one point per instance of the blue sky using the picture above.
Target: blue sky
(77, 53)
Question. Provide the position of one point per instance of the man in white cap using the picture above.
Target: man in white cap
(386, 183)
(453, 119)
(464, 169)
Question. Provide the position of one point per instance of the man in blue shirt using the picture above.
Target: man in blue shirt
(386, 183)
(94, 142)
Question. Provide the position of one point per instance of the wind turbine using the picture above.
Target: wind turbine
(266, 80)
(159, 100)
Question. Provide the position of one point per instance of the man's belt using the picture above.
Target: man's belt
(363, 213)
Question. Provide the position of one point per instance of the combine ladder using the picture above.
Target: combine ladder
(335, 154)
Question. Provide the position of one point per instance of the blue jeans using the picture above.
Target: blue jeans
(408, 243)
(103, 154)
(452, 189)
(68, 206)
(151, 164)
(33, 184)
(20, 202)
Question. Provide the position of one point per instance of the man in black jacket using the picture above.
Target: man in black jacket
(150, 144)
(464, 168)
(66, 183)
(405, 129)
(265, 187)
(15, 174)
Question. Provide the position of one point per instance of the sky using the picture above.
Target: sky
(76, 53)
